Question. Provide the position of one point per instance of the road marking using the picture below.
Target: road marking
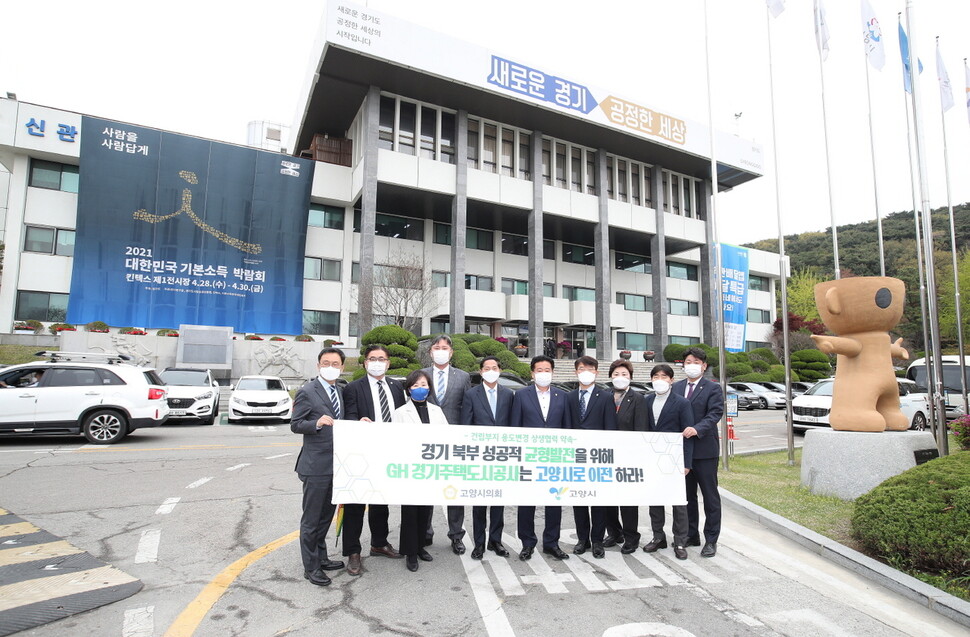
(37, 552)
(139, 622)
(190, 618)
(615, 564)
(281, 455)
(698, 572)
(58, 450)
(17, 528)
(198, 483)
(646, 628)
(238, 466)
(263, 428)
(658, 569)
(46, 588)
(810, 621)
(489, 605)
(148, 546)
(167, 507)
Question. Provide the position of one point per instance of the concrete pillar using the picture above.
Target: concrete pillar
(459, 224)
(602, 265)
(658, 266)
(368, 211)
(535, 251)
(708, 278)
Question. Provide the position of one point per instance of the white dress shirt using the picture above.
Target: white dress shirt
(545, 397)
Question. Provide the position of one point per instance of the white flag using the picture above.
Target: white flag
(821, 30)
(776, 7)
(966, 71)
(872, 37)
(946, 91)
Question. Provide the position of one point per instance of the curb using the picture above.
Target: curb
(929, 596)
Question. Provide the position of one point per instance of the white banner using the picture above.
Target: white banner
(396, 463)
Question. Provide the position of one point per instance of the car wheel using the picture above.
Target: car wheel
(211, 420)
(104, 427)
(919, 422)
(763, 403)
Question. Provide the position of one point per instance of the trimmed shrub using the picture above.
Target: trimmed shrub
(760, 365)
(96, 326)
(399, 371)
(487, 347)
(674, 352)
(387, 334)
(464, 360)
(810, 364)
(765, 354)
(304, 338)
(35, 325)
(522, 369)
(57, 328)
(738, 369)
(508, 360)
(777, 373)
(397, 362)
(752, 378)
(400, 351)
(358, 373)
(468, 339)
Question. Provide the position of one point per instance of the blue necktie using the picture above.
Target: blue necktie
(441, 386)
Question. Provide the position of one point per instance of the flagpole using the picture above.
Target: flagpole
(942, 440)
(825, 129)
(782, 270)
(875, 185)
(953, 246)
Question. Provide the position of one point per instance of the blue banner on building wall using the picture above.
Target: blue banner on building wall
(174, 229)
(734, 292)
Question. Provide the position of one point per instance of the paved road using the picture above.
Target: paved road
(179, 505)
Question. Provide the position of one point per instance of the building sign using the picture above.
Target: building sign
(47, 129)
(734, 293)
(521, 79)
(174, 229)
(396, 463)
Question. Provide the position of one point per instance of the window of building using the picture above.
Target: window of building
(508, 151)
(394, 226)
(478, 282)
(320, 322)
(442, 233)
(398, 277)
(440, 326)
(407, 123)
(324, 216)
(750, 345)
(577, 254)
(489, 141)
(476, 239)
(688, 196)
(355, 272)
(515, 244)
(576, 169)
(41, 306)
(549, 249)
(635, 183)
(634, 341)
(473, 142)
(441, 279)
(573, 293)
(429, 130)
(515, 286)
(447, 138)
(53, 175)
(759, 283)
(412, 127)
(683, 271)
(679, 307)
(549, 290)
(353, 325)
(685, 340)
(675, 193)
(49, 241)
(547, 162)
(385, 128)
(632, 262)
(758, 316)
(634, 302)
(590, 172)
(321, 269)
(525, 155)
(621, 180)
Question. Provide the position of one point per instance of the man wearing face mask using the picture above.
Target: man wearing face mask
(707, 402)
(590, 407)
(316, 406)
(449, 384)
(631, 415)
(372, 398)
(540, 406)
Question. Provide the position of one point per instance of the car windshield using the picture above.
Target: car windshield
(820, 389)
(755, 387)
(260, 384)
(186, 377)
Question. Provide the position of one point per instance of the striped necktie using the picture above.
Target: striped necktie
(385, 408)
(440, 390)
(334, 401)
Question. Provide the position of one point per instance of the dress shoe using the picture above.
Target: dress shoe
(526, 553)
(628, 547)
(693, 541)
(412, 562)
(317, 577)
(331, 565)
(655, 544)
(457, 546)
(478, 552)
(709, 550)
(387, 551)
(680, 552)
(556, 552)
(581, 547)
(353, 564)
(611, 541)
(598, 551)
(499, 549)
(425, 556)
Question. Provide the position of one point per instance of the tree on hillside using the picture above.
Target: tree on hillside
(947, 300)
(801, 293)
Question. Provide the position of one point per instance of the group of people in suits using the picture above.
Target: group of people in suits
(443, 394)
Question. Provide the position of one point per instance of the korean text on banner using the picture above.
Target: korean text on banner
(396, 463)
(734, 291)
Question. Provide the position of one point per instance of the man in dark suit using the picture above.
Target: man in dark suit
(707, 401)
(450, 385)
(488, 404)
(669, 412)
(372, 398)
(590, 407)
(316, 406)
(540, 405)
(631, 415)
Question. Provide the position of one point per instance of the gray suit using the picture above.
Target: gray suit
(314, 466)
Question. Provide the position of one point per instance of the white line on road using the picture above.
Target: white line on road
(167, 507)
(198, 483)
(139, 622)
(489, 605)
(810, 621)
(148, 546)
(282, 455)
(238, 466)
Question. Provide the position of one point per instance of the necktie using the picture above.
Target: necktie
(334, 402)
(441, 386)
(582, 403)
(491, 401)
(690, 389)
(385, 409)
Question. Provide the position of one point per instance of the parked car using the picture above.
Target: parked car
(99, 396)
(746, 400)
(193, 394)
(505, 379)
(812, 409)
(766, 397)
(796, 389)
(258, 398)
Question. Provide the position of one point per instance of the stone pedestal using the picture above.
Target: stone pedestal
(846, 464)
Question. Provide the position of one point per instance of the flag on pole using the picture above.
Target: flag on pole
(872, 37)
(904, 51)
(821, 30)
(776, 7)
(946, 91)
(966, 71)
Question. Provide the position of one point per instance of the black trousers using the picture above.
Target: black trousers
(315, 522)
(456, 521)
(704, 475)
(590, 526)
(627, 530)
(377, 515)
(679, 530)
(526, 524)
(496, 523)
(414, 524)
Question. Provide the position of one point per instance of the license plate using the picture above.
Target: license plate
(177, 412)
(262, 410)
(808, 418)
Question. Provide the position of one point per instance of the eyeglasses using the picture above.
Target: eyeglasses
(377, 360)
(329, 364)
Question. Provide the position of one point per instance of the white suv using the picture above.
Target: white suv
(811, 409)
(192, 394)
(97, 395)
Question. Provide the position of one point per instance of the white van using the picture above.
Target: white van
(955, 406)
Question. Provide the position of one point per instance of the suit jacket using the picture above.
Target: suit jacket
(312, 402)
(675, 416)
(475, 409)
(458, 383)
(359, 402)
(526, 411)
(409, 413)
(707, 402)
(600, 409)
(632, 413)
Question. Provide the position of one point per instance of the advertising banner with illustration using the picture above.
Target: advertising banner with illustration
(734, 293)
(174, 229)
(396, 463)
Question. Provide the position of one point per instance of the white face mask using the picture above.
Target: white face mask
(693, 370)
(661, 386)
(329, 373)
(440, 356)
(586, 378)
(543, 379)
(491, 376)
(376, 369)
(621, 382)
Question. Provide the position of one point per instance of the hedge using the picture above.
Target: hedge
(487, 347)
(674, 352)
(765, 354)
(760, 365)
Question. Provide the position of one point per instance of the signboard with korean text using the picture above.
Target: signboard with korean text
(734, 293)
(47, 129)
(174, 229)
(396, 463)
